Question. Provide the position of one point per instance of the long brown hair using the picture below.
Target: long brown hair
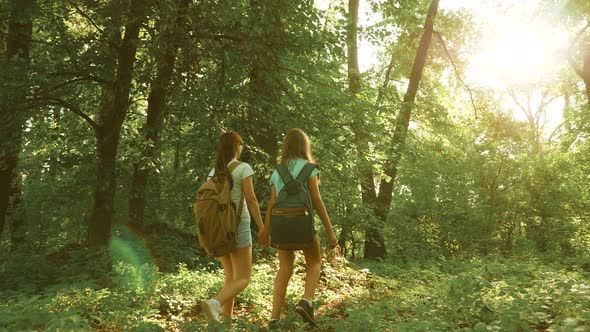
(227, 148)
(296, 145)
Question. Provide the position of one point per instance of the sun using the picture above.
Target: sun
(518, 54)
(521, 45)
(521, 56)
(515, 54)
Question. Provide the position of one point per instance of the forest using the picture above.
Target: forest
(453, 139)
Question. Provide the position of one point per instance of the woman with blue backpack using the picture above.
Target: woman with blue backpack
(289, 227)
(237, 264)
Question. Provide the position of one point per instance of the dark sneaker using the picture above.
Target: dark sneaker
(305, 311)
(274, 324)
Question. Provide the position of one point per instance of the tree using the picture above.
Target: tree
(374, 242)
(108, 131)
(167, 47)
(264, 77)
(578, 11)
(13, 114)
(584, 72)
(403, 120)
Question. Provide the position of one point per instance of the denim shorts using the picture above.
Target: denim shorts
(244, 238)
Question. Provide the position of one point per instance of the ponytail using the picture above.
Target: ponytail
(227, 148)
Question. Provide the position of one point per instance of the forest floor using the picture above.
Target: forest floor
(494, 294)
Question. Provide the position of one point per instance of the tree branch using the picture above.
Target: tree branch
(543, 110)
(305, 77)
(79, 79)
(385, 83)
(575, 67)
(60, 102)
(555, 131)
(570, 58)
(492, 185)
(469, 91)
(86, 16)
(579, 34)
(511, 93)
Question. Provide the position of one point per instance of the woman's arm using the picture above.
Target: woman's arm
(318, 205)
(271, 203)
(251, 201)
(264, 236)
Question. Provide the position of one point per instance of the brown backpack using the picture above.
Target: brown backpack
(216, 216)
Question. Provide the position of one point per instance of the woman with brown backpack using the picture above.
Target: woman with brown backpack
(237, 265)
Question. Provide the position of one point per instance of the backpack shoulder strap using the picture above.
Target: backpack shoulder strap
(284, 173)
(305, 172)
(233, 166)
(230, 169)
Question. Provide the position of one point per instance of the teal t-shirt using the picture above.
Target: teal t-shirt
(295, 166)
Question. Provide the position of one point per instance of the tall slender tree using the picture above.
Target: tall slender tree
(579, 11)
(264, 74)
(169, 41)
(374, 242)
(13, 114)
(108, 132)
(403, 119)
(584, 71)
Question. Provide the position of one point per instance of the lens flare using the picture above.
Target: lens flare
(132, 260)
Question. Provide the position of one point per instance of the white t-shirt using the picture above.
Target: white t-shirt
(239, 173)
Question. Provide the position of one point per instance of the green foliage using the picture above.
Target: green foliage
(473, 182)
(479, 295)
(484, 296)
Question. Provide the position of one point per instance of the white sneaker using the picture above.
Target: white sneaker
(211, 309)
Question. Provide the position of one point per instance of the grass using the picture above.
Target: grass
(518, 294)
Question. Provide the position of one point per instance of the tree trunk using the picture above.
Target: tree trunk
(177, 156)
(13, 114)
(264, 75)
(587, 84)
(374, 242)
(403, 120)
(342, 239)
(109, 130)
(262, 101)
(156, 102)
(586, 74)
(354, 73)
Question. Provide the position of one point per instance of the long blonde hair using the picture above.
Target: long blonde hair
(296, 145)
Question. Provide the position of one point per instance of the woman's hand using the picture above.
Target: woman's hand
(333, 240)
(264, 237)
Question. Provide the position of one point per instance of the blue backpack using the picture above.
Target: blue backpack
(291, 217)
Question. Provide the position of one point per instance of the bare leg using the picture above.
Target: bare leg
(313, 267)
(286, 259)
(226, 262)
(241, 261)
